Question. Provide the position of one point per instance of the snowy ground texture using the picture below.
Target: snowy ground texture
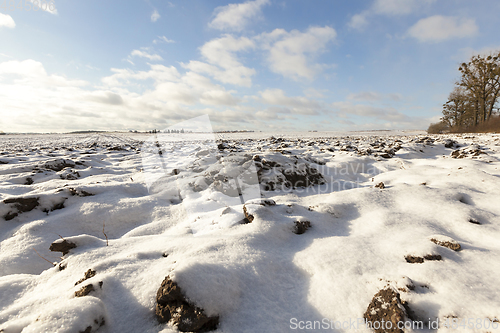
(322, 242)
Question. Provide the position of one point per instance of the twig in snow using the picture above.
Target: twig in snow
(43, 257)
(103, 225)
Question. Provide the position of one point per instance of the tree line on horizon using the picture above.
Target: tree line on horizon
(472, 105)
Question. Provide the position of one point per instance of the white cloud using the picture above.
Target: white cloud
(314, 93)
(385, 114)
(158, 73)
(7, 21)
(92, 67)
(239, 75)
(222, 62)
(60, 104)
(375, 117)
(386, 7)
(172, 93)
(32, 73)
(219, 97)
(365, 96)
(272, 113)
(155, 16)
(163, 39)
(395, 7)
(439, 28)
(221, 51)
(296, 105)
(173, 88)
(466, 53)
(106, 97)
(228, 118)
(191, 89)
(23, 68)
(371, 96)
(55, 103)
(358, 21)
(291, 54)
(143, 54)
(236, 16)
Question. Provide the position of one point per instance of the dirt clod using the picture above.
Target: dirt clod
(386, 306)
(98, 322)
(56, 206)
(303, 178)
(433, 257)
(301, 227)
(474, 221)
(414, 259)
(87, 330)
(78, 192)
(63, 246)
(174, 307)
(84, 291)
(418, 260)
(452, 245)
(22, 205)
(450, 143)
(287, 174)
(58, 165)
(88, 274)
(268, 202)
(248, 217)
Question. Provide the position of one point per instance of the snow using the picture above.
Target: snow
(134, 222)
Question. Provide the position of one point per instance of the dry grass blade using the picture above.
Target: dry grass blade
(103, 225)
(43, 257)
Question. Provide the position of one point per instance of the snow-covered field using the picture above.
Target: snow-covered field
(309, 256)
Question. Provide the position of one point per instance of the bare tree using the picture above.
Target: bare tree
(458, 109)
(481, 81)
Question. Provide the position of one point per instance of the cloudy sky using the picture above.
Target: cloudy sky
(262, 65)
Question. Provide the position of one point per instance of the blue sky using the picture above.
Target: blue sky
(257, 65)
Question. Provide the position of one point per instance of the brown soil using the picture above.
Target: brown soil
(474, 221)
(433, 257)
(301, 227)
(248, 217)
(419, 260)
(22, 205)
(453, 245)
(84, 291)
(63, 247)
(174, 307)
(414, 259)
(88, 274)
(385, 312)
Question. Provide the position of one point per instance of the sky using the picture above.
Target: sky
(261, 65)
